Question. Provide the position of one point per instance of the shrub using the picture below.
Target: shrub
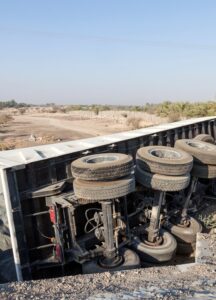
(134, 123)
(124, 115)
(5, 118)
(22, 111)
(96, 110)
(136, 108)
(105, 107)
(174, 117)
(62, 110)
(6, 146)
(53, 110)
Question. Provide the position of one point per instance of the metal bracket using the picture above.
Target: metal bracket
(192, 189)
(47, 191)
(155, 216)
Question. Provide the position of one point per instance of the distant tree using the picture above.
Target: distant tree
(105, 107)
(96, 110)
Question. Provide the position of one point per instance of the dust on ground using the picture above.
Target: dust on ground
(36, 128)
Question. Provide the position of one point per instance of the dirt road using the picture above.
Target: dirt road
(82, 128)
(49, 128)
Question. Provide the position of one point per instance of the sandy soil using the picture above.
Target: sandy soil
(50, 128)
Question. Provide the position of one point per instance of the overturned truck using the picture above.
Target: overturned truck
(114, 202)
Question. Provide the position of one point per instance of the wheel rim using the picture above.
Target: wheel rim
(100, 159)
(202, 146)
(168, 154)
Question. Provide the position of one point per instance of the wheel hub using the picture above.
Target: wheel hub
(110, 263)
(181, 222)
(158, 241)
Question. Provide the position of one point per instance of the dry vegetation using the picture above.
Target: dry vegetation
(134, 123)
(5, 118)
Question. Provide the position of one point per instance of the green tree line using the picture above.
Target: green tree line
(12, 103)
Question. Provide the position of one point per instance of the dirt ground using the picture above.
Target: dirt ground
(34, 128)
(167, 283)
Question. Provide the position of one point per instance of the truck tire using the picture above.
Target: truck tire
(185, 236)
(205, 138)
(130, 261)
(202, 152)
(164, 160)
(162, 182)
(156, 254)
(204, 171)
(104, 166)
(103, 190)
(86, 201)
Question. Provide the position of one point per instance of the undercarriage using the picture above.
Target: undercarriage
(136, 214)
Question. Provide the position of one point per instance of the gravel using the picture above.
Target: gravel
(196, 281)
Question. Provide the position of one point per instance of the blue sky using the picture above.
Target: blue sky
(107, 51)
